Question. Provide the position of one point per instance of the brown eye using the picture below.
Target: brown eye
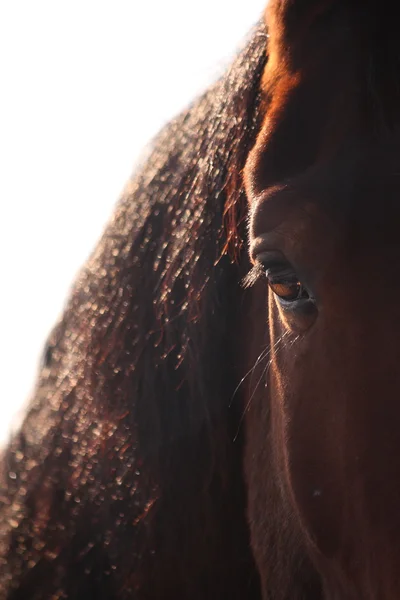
(285, 285)
(287, 290)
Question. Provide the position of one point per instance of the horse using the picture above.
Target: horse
(215, 414)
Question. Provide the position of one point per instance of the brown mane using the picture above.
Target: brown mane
(124, 478)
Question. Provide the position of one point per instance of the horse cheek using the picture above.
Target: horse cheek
(305, 432)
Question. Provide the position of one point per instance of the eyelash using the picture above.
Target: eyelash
(281, 279)
(256, 272)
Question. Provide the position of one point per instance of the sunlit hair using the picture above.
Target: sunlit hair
(125, 464)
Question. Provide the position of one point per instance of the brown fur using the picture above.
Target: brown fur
(322, 183)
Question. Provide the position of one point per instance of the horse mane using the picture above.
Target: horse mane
(124, 476)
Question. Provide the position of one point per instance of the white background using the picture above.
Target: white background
(83, 86)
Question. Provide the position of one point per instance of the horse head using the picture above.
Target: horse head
(323, 458)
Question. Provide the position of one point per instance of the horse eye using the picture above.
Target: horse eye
(286, 288)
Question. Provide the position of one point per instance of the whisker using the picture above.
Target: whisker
(249, 401)
(271, 348)
(249, 372)
(279, 341)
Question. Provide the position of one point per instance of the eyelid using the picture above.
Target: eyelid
(281, 272)
(263, 266)
(275, 266)
(260, 254)
(273, 260)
